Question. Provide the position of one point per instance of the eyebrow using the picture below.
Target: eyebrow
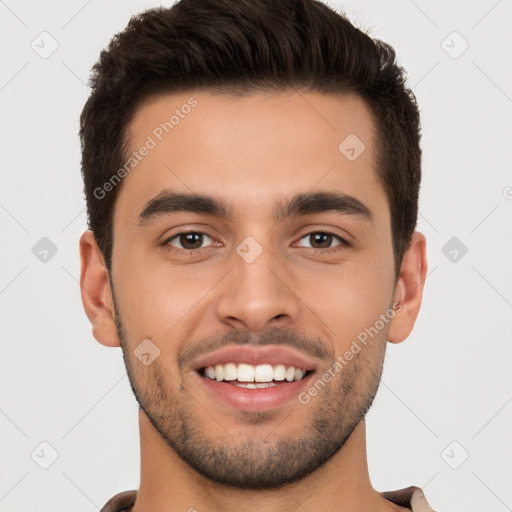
(168, 202)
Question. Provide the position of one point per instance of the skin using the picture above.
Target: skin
(253, 152)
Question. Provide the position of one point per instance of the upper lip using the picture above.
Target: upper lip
(268, 354)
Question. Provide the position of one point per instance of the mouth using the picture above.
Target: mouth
(253, 388)
(248, 376)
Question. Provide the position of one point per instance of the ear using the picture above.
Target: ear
(409, 289)
(96, 293)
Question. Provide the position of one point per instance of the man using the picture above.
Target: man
(252, 173)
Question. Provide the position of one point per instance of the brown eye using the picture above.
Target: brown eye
(188, 241)
(322, 240)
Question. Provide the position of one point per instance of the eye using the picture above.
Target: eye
(195, 240)
(189, 241)
(322, 240)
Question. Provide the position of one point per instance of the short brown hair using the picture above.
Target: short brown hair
(238, 47)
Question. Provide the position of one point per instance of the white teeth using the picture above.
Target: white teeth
(249, 385)
(279, 372)
(262, 374)
(299, 374)
(252, 385)
(230, 371)
(219, 372)
(245, 373)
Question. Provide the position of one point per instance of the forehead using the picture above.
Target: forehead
(251, 150)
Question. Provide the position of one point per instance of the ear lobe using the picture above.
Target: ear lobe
(409, 289)
(96, 293)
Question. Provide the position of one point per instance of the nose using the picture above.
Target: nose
(258, 294)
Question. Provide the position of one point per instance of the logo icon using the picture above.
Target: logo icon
(44, 45)
(44, 455)
(454, 45)
(249, 250)
(455, 455)
(352, 147)
(146, 352)
(44, 250)
(454, 249)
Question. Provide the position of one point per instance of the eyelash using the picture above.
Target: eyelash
(192, 252)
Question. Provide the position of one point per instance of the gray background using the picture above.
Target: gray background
(446, 392)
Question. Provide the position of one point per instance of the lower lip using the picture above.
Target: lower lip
(255, 399)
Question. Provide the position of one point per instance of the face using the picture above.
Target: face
(245, 237)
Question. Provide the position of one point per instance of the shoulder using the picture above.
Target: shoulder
(411, 497)
(121, 502)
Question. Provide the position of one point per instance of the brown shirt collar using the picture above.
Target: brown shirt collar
(410, 497)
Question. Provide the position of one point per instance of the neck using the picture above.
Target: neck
(341, 484)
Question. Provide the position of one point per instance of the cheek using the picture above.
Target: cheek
(157, 300)
(351, 299)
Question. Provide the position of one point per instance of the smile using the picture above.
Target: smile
(253, 377)
(246, 392)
